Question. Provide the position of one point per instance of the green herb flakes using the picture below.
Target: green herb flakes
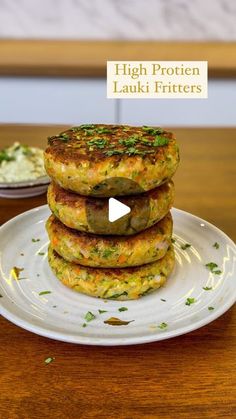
(98, 143)
(211, 308)
(190, 301)
(49, 360)
(216, 245)
(162, 299)
(35, 240)
(160, 141)
(4, 156)
(103, 130)
(62, 137)
(130, 141)
(102, 311)
(122, 309)
(45, 292)
(84, 325)
(41, 253)
(152, 131)
(173, 240)
(1, 296)
(212, 268)
(89, 316)
(185, 246)
(85, 126)
(163, 326)
(207, 288)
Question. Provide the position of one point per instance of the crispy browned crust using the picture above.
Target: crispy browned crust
(90, 214)
(74, 145)
(71, 199)
(164, 227)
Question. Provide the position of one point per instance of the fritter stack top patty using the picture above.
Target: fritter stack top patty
(83, 158)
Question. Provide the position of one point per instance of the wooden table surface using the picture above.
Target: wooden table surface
(83, 58)
(192, 376)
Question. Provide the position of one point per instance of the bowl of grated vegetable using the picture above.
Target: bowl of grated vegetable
(22, 172)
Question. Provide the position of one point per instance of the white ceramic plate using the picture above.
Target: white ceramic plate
(60, 314)
(24, 189)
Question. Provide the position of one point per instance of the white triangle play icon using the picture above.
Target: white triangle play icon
(116, 210)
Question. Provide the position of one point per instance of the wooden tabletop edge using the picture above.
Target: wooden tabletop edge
(71, 58)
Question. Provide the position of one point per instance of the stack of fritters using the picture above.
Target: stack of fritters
(88, 164)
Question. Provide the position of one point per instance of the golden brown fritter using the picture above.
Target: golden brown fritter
(110, 251)
(116, 284)
(83, 158)
(77, 212)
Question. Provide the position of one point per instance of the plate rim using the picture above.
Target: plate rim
(93, 341)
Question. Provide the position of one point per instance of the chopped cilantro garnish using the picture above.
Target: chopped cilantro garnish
(98, 142)
(207, 288)
(5, 157)
(130, 141)
(212, 267)
(163, 325)
(84, 325)
(190, 301)
(216, 245)
(49, 360)
(211, 308)
(41, 253)
(103, 130)
(60, 137)
(160, 141)
(89, 316)
(45, 292)
(185, 246)
(35, 240)
(85, 126)
(122, 309)
(152, 131)
(102, 311)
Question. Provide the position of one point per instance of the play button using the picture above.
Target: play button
(118, 215)
(116, 210)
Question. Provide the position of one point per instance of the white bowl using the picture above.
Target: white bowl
(24, 189)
